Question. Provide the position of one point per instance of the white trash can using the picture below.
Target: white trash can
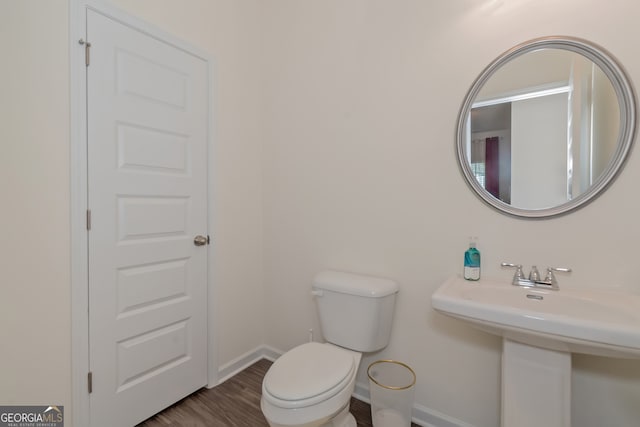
(391, 388)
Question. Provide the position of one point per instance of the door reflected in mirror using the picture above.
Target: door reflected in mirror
(546, 127)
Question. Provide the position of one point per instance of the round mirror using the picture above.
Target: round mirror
(546, 127)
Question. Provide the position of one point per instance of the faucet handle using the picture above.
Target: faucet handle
(550, 277)
(519, 274)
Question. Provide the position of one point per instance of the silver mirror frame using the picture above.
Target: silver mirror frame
(626, 136)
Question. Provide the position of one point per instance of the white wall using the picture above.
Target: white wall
(539, 125)
(606, 121)
(334, 141)
(524, 73)
(35, 306)
(360, 174)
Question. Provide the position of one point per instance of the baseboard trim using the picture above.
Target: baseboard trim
(270, 353)
(242, 362)
(421, 415)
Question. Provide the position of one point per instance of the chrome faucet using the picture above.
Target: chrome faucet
(534, 281)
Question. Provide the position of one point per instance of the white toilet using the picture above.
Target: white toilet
(311, 385)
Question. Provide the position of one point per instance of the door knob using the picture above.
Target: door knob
(201, 240)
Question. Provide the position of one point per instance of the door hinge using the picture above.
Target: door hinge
(88, 219)
(87, 48)
(90, 381)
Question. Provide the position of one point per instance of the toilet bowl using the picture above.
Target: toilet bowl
(311, 385)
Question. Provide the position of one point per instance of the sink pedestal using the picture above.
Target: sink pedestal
(536, 386)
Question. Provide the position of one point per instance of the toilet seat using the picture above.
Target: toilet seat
(308, 374)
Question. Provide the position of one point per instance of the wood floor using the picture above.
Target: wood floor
(235, 403)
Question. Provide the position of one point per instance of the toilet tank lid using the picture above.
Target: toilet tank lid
(354, 284)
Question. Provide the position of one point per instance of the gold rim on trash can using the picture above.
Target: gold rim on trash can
(389, 387)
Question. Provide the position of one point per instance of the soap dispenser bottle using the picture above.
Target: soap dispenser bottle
(472, 262)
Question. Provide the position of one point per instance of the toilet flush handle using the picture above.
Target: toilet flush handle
(317, 293)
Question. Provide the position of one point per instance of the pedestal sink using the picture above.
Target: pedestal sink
(540, 329)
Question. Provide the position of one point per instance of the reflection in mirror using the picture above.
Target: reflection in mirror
(566, 118)
(546, 127)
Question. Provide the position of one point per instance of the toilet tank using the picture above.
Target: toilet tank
(355, 311)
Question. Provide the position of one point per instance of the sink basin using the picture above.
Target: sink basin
(604, 323)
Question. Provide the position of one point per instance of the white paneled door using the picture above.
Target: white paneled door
(147, 109)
